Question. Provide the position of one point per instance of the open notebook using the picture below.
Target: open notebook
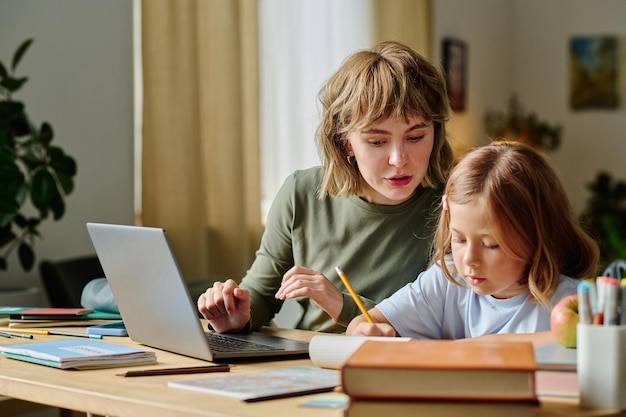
(155, 304)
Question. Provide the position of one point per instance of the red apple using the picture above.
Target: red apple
(563, 320)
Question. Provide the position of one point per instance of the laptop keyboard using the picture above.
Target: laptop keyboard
(223, 343)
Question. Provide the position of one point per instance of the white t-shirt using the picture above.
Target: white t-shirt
(432, 307)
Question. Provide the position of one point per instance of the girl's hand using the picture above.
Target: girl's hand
(225, 306)
(359, 326)
(304, 282)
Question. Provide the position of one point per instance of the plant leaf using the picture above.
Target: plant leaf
(57, 205)
(61, 162)
(26, 256)
(45, 133)
(3, 71)
(6, 235)
(6, 219)
(19, 53)
(13, 84)
(42, 190)
(67, 183)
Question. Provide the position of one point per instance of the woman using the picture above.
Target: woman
(369, 208)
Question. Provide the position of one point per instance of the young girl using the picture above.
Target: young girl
(507, 248)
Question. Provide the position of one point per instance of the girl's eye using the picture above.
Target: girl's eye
(491, 246)
(457, 240)
(376, 142)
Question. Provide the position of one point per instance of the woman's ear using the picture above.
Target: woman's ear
(348, 147)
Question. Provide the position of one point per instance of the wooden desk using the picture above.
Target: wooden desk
(101, 392)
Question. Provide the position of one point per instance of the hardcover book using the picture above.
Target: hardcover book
(368, 408)
(441, 369)
(77, 353)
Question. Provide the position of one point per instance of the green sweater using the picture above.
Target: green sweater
(380, 248)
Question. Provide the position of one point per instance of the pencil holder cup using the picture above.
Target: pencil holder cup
(601, 356)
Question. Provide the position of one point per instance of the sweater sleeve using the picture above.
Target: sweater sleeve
(273, 258)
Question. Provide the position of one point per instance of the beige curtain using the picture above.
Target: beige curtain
(200, 134)
(200, 131)
(407, 21)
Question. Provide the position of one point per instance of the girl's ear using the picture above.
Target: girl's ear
(444, 202)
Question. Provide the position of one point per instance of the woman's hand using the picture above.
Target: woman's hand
(359, 326)
(304, 282)
(225, 306)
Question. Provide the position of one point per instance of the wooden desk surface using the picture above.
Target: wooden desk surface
(101, 392)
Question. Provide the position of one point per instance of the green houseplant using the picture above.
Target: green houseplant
(517, 124)
(605, 217)
(35, 175)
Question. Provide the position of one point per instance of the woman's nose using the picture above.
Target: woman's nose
(398, 156)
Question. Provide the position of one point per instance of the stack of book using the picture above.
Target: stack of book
(29, 317)
(78, 354)
(556, 371)
(440, 378)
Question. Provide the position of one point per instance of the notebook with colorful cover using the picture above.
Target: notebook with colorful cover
(77, 353)
(441, 369)
(89, 319)
(266, 385)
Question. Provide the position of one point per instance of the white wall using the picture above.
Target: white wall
(80, 81)
(522, 46)
(486, 28)
(592, 139)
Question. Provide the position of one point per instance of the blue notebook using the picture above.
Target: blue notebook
(77, 353)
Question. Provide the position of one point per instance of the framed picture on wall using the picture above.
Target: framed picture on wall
(454, 55)
(594, 72)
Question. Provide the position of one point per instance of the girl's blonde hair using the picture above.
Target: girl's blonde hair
(526, 202)
(389, 81)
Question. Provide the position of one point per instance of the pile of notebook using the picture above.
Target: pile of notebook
(440, 378)
(27, 317)
(78, 354)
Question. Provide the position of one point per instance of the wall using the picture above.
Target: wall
(80, 81)
(522, 46)
(488, 36)
(592, 139)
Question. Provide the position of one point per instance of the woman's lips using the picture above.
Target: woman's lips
(400, 181)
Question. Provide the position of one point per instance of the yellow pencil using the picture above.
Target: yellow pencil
(28, 331)
(54, 333)
(354, 295)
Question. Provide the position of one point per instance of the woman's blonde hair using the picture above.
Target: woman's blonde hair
(525, 200)
(389, 81)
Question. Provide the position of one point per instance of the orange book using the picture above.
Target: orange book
(400, 408)
(441, 370)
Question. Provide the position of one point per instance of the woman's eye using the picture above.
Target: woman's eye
(491, 246)
(416, 138)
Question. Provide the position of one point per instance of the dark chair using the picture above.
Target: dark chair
(63, 281)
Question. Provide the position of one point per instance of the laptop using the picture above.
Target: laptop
(155, 304)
